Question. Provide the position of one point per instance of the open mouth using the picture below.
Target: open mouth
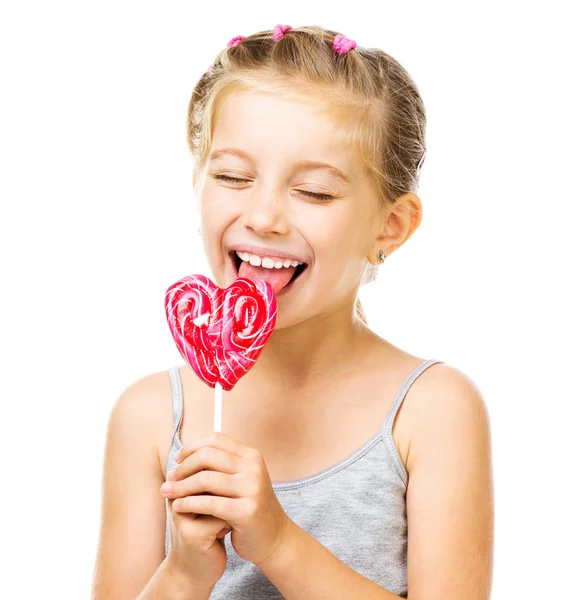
(236, 261)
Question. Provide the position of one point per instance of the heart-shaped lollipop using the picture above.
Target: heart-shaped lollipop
(220, 332)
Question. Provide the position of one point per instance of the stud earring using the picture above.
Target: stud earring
(381, 256)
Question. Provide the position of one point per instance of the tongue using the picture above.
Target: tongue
(278, 278)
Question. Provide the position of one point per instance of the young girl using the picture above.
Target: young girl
(347, 467)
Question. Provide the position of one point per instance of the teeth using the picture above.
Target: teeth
(268, 263)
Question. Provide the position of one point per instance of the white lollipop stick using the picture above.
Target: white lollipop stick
(218, 407)
(199, 321)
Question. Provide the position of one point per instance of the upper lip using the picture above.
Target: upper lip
(266, 252)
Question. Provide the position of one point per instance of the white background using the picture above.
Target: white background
(98, 219)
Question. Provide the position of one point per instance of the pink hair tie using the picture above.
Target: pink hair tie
(343, 44)
(235, 41)
(280, 30)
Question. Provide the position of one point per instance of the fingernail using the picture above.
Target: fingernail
(171, 474)
(166, 488)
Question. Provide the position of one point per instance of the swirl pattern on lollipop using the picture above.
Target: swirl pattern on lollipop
(191, 306)
(248, 319)
(220, 333)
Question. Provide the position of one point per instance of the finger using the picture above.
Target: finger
(211, 482)
(202, 525)
(205, 457)
(208, 525)
(224, 531)
(216, 439)
(218, 506)
(175, 515)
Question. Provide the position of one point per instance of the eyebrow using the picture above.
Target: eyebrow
(305, 164)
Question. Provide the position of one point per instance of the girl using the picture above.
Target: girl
(326, 483)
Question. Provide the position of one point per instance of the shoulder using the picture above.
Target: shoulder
(449, 409)
(145, 406)
(144, 398)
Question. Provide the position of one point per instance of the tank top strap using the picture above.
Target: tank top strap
(177, 398)
(389, 421)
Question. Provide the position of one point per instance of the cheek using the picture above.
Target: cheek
(216, 212)
(330, 233)
(214, 224)
(340, 251)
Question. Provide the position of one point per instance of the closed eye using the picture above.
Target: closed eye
(312, 194)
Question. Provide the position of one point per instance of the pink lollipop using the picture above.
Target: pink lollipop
(220, 332)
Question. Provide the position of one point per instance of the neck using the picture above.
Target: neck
(312, 353)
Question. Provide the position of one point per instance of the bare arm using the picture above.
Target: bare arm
(164, 585)
(450, 502)
(131, 550)
(303, 569)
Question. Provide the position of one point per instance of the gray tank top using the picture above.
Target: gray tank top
(356, 508)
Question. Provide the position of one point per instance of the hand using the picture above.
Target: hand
(239, 492)
(197, 556)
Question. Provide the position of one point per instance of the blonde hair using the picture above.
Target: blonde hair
(374, 104)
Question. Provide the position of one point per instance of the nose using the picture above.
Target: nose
(266, 213)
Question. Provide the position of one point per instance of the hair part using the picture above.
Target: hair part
(373, 103)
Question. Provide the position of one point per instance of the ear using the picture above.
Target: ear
(397, 223)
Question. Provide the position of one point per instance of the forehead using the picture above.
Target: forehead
(270, 127)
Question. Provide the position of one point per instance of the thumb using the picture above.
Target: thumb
(224, 531)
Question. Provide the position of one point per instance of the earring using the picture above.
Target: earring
(381, 256)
